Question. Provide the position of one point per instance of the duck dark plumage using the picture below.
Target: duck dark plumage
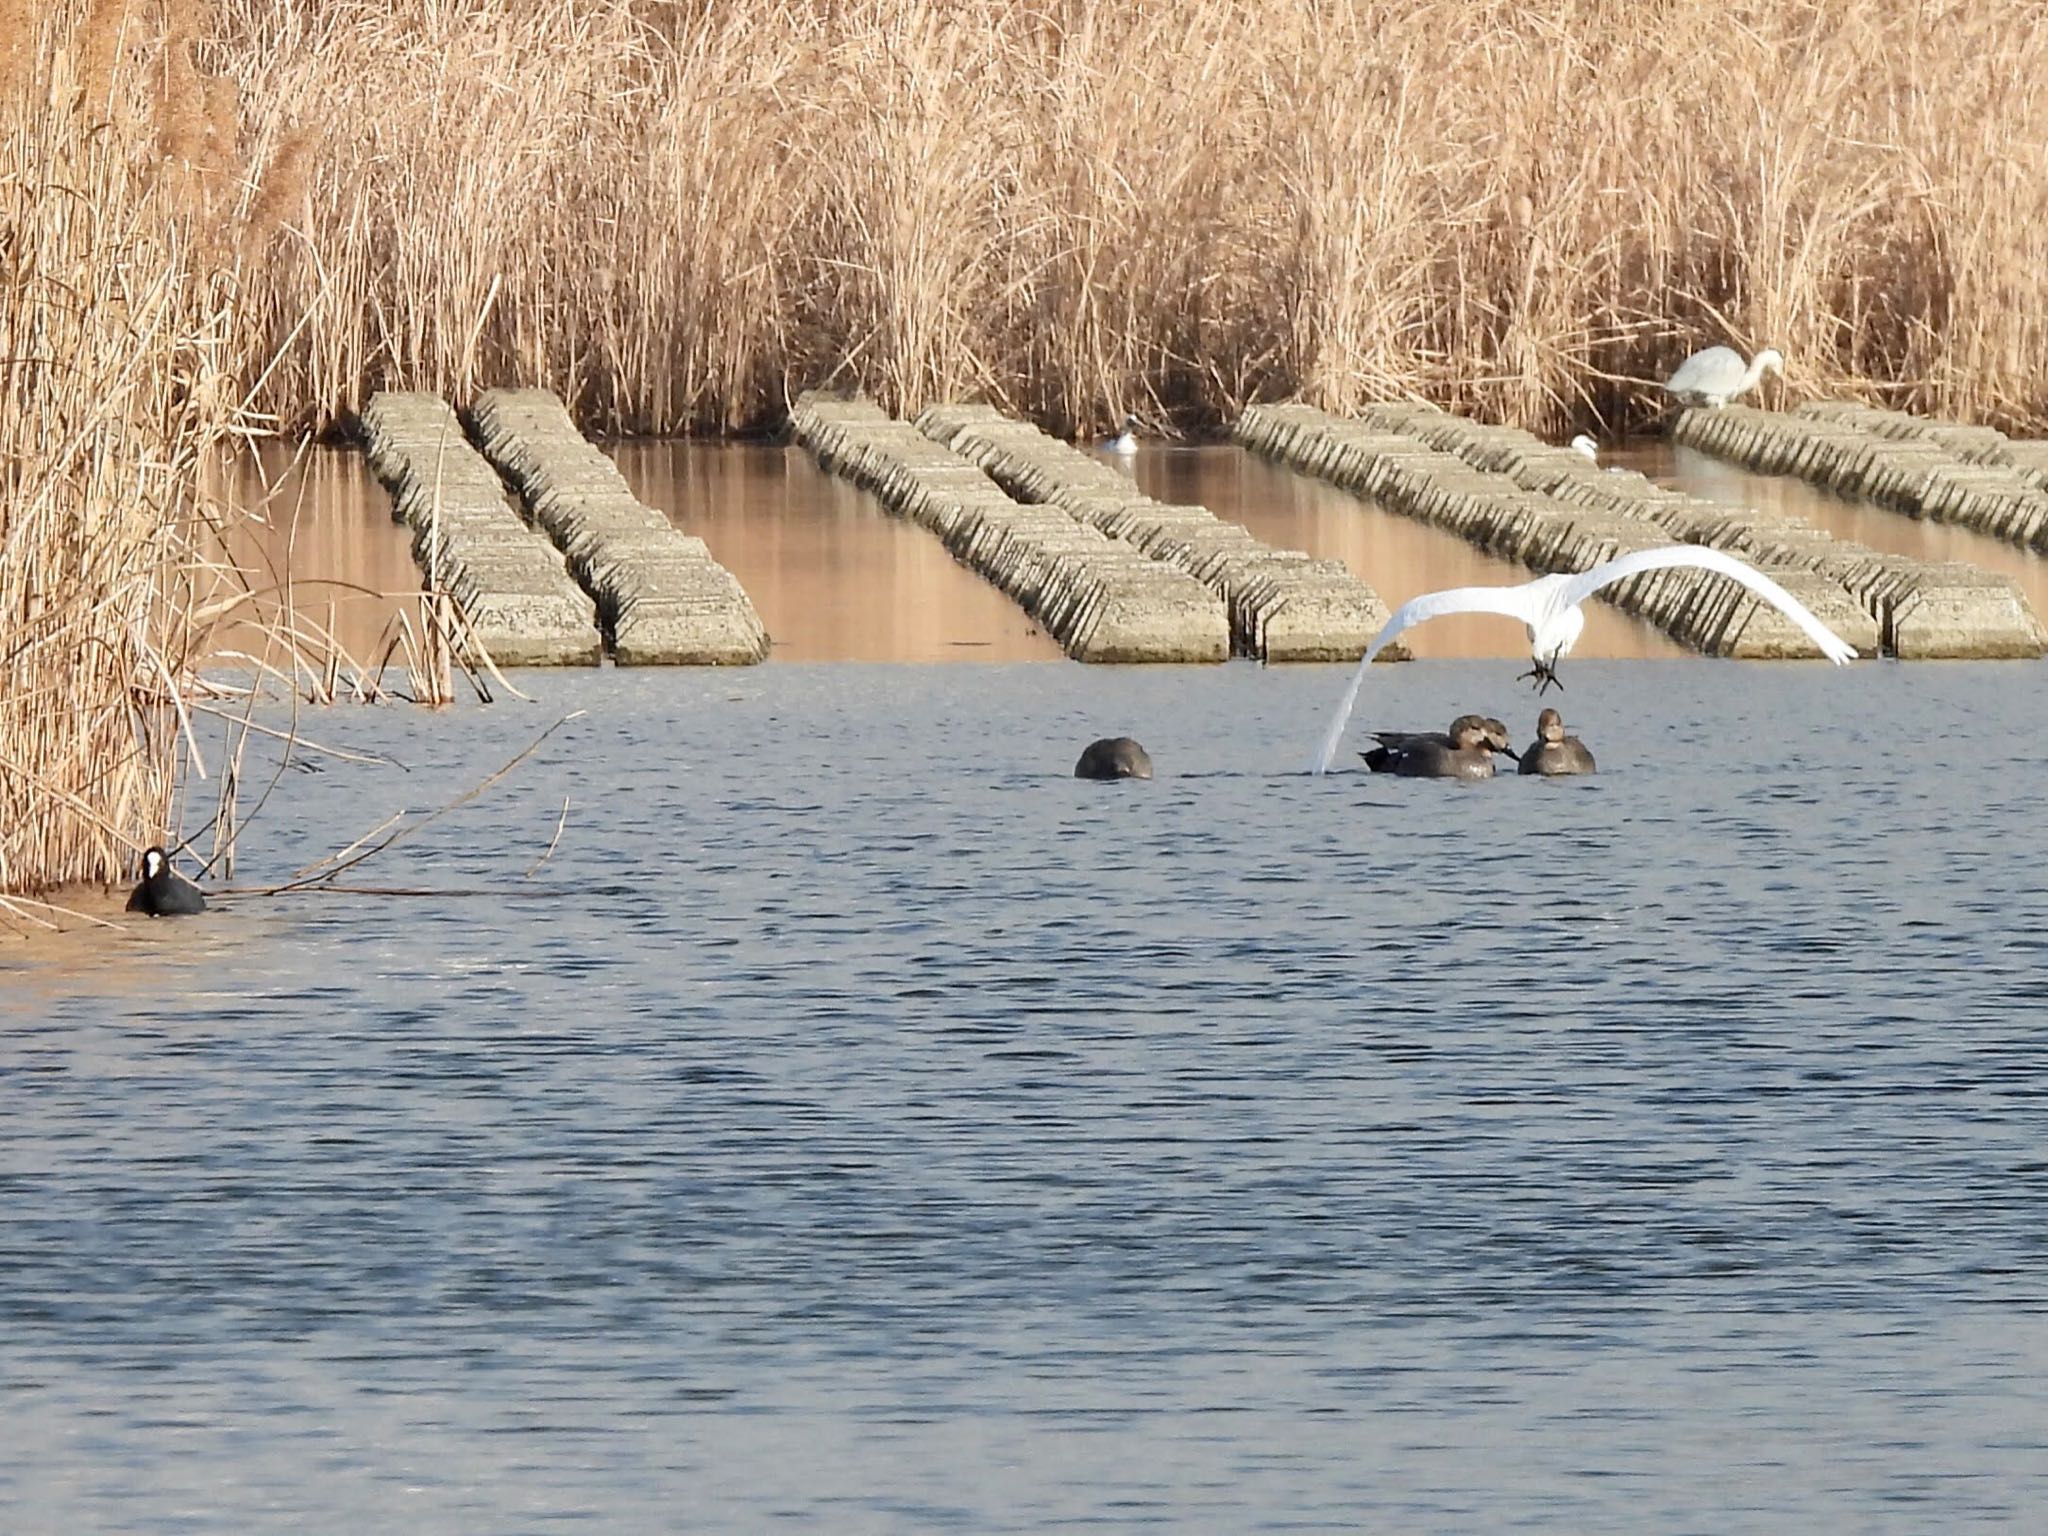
(1554, 754)
(1465, 751)
(162, 892)
(1114, 757)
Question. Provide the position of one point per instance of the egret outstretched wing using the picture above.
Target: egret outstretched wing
(1586, 583)
(1511, 602)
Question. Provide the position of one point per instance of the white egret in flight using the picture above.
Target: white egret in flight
(1549, 609)
(1716, 376)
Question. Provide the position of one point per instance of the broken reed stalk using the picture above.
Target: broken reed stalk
(323, 871)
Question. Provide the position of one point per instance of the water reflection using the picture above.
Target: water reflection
(833, 576)
(837, 579)
(314, 521)
(1401, 557)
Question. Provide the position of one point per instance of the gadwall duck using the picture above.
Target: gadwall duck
(1555, 753)
(1465, 751)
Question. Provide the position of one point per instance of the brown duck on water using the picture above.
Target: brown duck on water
(1465, 751)
(1554, 753)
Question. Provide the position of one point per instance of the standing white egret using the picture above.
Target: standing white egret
(1716, 376)
(1585, 445)
(1549, 609)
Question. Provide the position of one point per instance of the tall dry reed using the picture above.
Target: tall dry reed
(678, 214)
(113, 348)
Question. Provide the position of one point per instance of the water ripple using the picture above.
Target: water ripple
(834, 1138)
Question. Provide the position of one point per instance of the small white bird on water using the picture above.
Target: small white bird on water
(1585, 445)
(1716, 376)
(1125, 441)
(1549, 609)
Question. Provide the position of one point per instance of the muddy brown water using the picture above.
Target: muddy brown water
(314, 522)
(835, 578)
(1400, 557)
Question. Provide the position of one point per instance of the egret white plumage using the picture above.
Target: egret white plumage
(1585, 445)
(1717, 375)
(1549, 609)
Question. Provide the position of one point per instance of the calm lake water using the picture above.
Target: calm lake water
(860, 1125)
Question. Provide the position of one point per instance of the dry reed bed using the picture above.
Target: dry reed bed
(116, 286)
(677, 216)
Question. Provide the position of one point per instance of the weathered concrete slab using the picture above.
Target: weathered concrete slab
(1101, 599)
(2027, 459)
(1385, 456)
(661, 597)
(512, 587)
(1940, 471)
(1922, 609)
(1283, 605)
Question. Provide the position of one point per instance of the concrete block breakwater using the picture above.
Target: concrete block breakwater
(1102, 600)
(510, 583)
(1534, 528)
(1935, 470)
(2026, 457)
(661, 597)
(1922, 609)
(1284, 605)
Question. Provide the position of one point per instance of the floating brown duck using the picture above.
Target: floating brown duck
(1465, 751)
(1555, 753)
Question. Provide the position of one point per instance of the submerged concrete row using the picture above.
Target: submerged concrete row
(520, 604)
(1284, 605)
(1101, 600)
(1535, 529)
(661, 597)
(1918, 476)
(2026, 457)
(1922, 609)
